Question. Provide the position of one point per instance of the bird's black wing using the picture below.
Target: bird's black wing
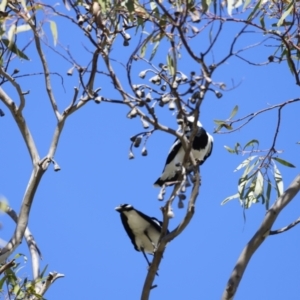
(201, 139)
(159, 223)
(128, 231)
(153, 221)
(174, 150)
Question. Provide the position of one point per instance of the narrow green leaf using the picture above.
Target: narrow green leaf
(284, 162)
(220, 122)
(245, 162)
(236, 148)
(262, 21)
(268, 194)
(259, 185)
(153, 5)
(205, 5)
(231, 4)
(13, 48)
(11, 34)
(22, 28)
(229, 149)
(234, 111)
(290, 64)
(3, 5)
(286, 13)
(251, 143)
(278, 180)
(243, 183)
(170, 64)
(54, 32)
(154, 49)
(228, 127)
(235, 196)
(104, 6)
(247, 2)
(143, 50)
(43, 272)
(2, 280)
(254, 10)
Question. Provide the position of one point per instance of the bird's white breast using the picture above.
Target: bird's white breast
(139, 225)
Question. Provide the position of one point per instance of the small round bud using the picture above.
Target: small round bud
(138, 93)
(143, 74)
(171, 105)
(184, 78)
(132, 113)
(144, 152)
(131, 156)
(126, 36)
(182, 196)
(170, 213)
(160, 196)
(137, 141)
(163, 87)
(218, 94)
(145, 123)
(148, 97)
(180, 204)
(98, 99)
(178, 79)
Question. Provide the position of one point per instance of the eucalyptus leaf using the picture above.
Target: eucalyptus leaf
(235, 196)
(278, 181)
(234, 111)
(245, 163)
(284, 162)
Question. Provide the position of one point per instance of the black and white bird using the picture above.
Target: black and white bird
(201, 149)
(143, 231)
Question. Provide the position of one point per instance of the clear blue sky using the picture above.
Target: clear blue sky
(73, 217)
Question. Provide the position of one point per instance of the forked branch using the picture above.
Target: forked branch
(258, 238)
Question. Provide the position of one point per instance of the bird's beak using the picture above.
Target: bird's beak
(118, 208)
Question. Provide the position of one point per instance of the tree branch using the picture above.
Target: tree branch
(286, 228)
(6, 266)
(16, 86)
(167, 238)
(52, 277)
(17, 115)
(17, 237)
(33, 248)
(259, 237)
(29, 21)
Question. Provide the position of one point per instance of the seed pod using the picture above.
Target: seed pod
(144, 151)
(145, 123)
(184, 78)
(218, 94)
(170, 214)
(148, 97)
(171, 105)
(180, 204)
(143, 74)
(132, 113)
(131, 156)
(98, 99)
(137, 141)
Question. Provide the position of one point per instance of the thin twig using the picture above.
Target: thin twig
(286, 228)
